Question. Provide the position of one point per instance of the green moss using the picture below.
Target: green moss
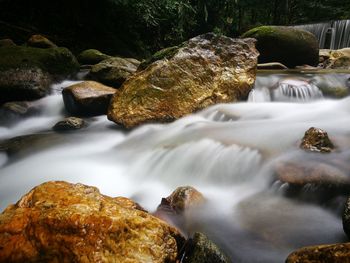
(335, 92)
(167, 53)
(289, 46)
(92, 56)
(56, 61)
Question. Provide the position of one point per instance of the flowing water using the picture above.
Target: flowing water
(333, 35)
(226, 151)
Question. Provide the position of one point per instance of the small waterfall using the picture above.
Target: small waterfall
(296, 89)
(333, 35)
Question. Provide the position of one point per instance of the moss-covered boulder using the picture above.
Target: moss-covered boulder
(289, 46)
(59, 62)
(113, 71)
(91, 57)
(206, 70)
(40, 41)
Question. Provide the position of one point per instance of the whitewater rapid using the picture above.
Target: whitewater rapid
(225, 151)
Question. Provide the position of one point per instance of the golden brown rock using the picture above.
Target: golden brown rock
(182, 199)
(316, 140)
(206, 70)
(62, 222)
(337, 253)
(87, 98)
(40, 42)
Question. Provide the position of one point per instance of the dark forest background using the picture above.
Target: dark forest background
(138, 27)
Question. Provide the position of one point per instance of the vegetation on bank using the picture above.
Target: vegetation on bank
(137, 28)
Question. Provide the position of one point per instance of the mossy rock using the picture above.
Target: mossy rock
(59, 62)
(335, 92)
(289, 46)
(165, 53)
(91, 57)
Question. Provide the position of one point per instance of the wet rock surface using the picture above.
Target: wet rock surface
(12, 111)
(289, 46)
(202, 250)
(68, 124)
(113, 71)
(62, 222)
(87, 98)
(206, 70)
(335, 253)
(23, 84)
(7, 42)
(316, 140)
(346, 217)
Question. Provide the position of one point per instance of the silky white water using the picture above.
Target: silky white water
(225, 151)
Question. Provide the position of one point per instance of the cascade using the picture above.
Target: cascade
(333, 35)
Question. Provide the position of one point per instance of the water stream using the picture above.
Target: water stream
(226, 151)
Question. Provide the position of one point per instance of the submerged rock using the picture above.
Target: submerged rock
(70, 123)
(206, 70)
(12, 111)
(91, 57)
(62, 222)
(40, 41)
(23, 84)
(335, 253)
(289, 46)
(202, 250)
(87, 98)
(59, 61)
(316, 140)
(113, 71)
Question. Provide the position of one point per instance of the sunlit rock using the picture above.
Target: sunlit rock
(40, 41)
(91, 57)
(200, 249)
(62, 222)
(87, 98)
(335, 253)
(113, 71)
(206, 70)
(70, 123)
(316, 140)
(289, 46)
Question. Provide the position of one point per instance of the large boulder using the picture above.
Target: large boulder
(206, 70)
(87, 98)
(40, 41)
(91, 57)
(62, 222)
(59, 62)
(289, 46)
(335, 253)
(19, 84)
(113, 71)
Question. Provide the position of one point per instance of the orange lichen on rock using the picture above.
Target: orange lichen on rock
(63, 222)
